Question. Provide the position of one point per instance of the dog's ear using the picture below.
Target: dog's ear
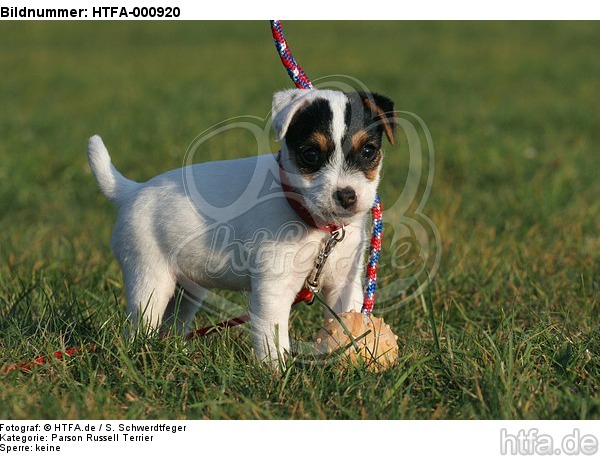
(285, 104)
(383, 108)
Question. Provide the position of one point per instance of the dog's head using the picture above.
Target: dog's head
(331, 148)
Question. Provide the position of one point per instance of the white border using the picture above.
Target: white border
(461, 438)
(342, 9)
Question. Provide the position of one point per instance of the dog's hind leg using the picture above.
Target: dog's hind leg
(148, 293)
(182, 308)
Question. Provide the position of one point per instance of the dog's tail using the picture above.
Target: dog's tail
(111, 182)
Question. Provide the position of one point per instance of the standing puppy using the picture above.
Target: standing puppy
(231, 225)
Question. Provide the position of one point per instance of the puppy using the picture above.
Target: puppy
(255, 224)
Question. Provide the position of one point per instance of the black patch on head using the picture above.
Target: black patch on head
(366, 121)
(309, 124)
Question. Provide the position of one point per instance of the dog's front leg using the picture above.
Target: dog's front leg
(344, 295)
(270, 305)
(343, 288)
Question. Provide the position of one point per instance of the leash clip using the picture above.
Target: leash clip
(313, 282)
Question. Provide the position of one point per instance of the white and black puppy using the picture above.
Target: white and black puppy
(231, 225)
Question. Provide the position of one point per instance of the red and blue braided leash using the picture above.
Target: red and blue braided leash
(302, 82)
(374, 255)
(294, 70)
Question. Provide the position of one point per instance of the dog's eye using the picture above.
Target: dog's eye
(369, 151)
(310, 156)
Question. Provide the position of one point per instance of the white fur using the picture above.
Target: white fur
(184, 226)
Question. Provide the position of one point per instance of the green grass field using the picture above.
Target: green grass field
(512, 109)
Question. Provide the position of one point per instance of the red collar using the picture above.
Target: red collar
(295, 200)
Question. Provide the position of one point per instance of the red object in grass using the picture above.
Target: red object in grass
(27, 366)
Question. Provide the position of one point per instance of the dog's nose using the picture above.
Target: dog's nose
(346, 197)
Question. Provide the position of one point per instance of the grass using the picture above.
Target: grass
(507, 330)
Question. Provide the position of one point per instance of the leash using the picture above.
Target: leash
(28, 365)
(374, 255)
(312, 284)
(294, 70)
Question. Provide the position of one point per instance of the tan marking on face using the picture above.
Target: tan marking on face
(372, 173)
(308, 176)
(320, 140)
(359, 139)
